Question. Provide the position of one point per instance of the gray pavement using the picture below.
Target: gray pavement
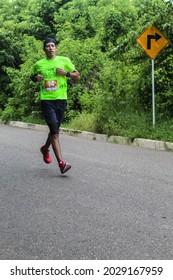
(115, 202)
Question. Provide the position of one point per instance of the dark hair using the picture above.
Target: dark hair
(48, 40)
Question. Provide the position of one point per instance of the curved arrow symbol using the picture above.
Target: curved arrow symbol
(151, 37)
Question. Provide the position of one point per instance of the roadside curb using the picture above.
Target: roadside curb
(137, 142)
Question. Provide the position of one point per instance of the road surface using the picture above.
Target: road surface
(115, 203)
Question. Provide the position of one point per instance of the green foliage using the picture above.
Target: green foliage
(100, 38)
(23, 91)
(84, 122)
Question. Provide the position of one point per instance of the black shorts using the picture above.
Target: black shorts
(53, 111)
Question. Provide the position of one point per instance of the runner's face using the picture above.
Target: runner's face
(50, 50)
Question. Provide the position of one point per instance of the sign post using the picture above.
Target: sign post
(153, 93)
(152, 41)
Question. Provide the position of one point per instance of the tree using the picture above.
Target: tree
(100, 38)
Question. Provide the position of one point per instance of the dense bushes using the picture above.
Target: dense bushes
(100, 38)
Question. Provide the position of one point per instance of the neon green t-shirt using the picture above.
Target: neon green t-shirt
(53, 86)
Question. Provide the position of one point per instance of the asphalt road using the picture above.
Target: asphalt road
(115, 203)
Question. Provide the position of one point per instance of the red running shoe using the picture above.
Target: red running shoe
(64, 167)
(46, 156)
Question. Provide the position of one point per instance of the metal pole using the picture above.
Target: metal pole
(153, 94)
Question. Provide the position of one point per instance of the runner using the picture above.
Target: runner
(52, 73)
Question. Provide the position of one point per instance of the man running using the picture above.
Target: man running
(52, 73)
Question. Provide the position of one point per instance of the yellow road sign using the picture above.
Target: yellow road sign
(152, 41)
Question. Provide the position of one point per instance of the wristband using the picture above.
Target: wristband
(68, 74)
(34, 78)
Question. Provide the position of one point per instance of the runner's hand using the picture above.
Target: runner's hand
(40, 77)
(61, 71)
